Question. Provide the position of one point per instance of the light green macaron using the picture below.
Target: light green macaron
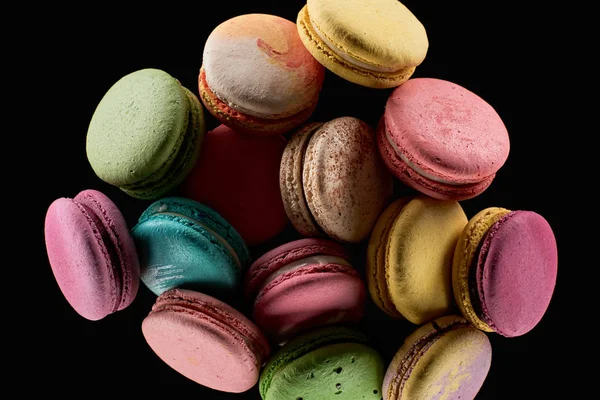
(328, 363)
(145, 134)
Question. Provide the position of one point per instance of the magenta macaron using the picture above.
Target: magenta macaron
(301, 285)
(206, 340)
(442, 139)
(92, 254)
(504, 270)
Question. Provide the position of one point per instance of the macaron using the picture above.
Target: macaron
(327, 363)
(302, 285)
(237, 175)
(376, 43)
(409, 257)
(206, 340)
(92, 254)
(145, 133)
(184, 244)
(257, 77)
(442, 139)
(446, 358)
(504, 270)
(332, 180)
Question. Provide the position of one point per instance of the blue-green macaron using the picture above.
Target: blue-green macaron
(184, 244)
(145, 134)
(328, 363)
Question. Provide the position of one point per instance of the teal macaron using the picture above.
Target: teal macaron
(182, 243)
(145, 133)
(328, 363)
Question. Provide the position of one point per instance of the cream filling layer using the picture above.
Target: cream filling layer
(224, 242)
(413, 166)
(312, 260)
(347, 57)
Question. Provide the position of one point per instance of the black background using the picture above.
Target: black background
(492, 48)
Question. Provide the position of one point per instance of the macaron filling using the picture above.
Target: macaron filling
(312, 260)
(230, 250)
(412, 166)
(416, 351)
(111, 253)
(345, 56)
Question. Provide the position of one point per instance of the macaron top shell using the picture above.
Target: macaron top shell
(258, 64)
(323, 364)
(206, 340)
(345, 181)
(184, 244)
(137, 127)
(445, 359)
(445, 131)
(516, 272)
(92, 254)
(381, 34)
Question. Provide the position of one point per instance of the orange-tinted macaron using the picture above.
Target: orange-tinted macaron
(257, 77)
(409, 257)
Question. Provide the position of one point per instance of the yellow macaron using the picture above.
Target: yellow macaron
(409, 257)
(376, 43)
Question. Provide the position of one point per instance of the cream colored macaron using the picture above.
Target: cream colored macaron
(376, 43)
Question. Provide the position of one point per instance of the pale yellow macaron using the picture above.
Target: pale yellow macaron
(376, 43)
(409, 257)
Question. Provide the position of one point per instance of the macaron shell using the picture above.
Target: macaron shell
(342, 370)
(119, 233)
(276, 258)
(237, 175)
(419, 255)
(309, 297)
(257, 64)
(464, 258)
(137, 127)
(290, 181)
(446, 130)
(345, 182)
(201, 340)
(80, 260)
(376, 258)
(442, 363)
(407, 175)
(516, 272)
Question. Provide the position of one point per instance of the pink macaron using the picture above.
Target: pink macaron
(256, 75)
(237, 175)
(206, 340)
(92, 254)
(442, 139)
(301, 285)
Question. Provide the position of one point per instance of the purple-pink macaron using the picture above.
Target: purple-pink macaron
(301, 285)
(504, 270)
(92, 254)
(442, 139)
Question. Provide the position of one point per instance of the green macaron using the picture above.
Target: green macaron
(145, 134)
(333, 362)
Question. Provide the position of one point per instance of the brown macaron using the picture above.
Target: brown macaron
(333, 181)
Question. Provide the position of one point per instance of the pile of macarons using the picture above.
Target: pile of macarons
(285, 323)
